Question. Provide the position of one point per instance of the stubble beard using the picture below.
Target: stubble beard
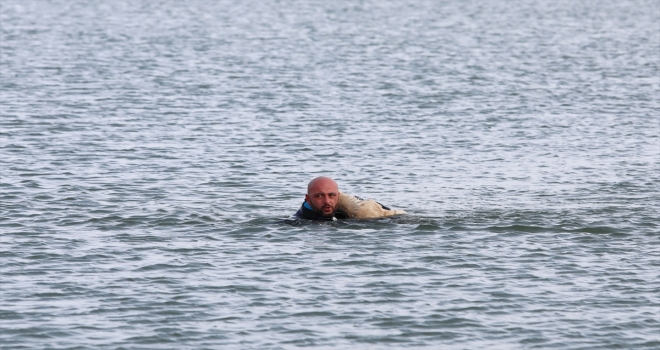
(320, 212)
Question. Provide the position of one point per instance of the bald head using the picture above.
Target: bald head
(323, 195)
(321, 182)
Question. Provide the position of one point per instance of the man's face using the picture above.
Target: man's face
(323, 196)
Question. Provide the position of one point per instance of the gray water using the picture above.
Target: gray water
(150, 151)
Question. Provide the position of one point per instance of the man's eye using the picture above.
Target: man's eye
(332, 195)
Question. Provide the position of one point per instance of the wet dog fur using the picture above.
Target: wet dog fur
(356, 208)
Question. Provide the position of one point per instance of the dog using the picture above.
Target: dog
(357, 208)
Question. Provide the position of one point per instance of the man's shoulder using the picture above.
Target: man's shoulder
(341, 215)
(299, 214)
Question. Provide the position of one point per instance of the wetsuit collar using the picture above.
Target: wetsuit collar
(309, 213)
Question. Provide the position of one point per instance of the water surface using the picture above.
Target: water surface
(149, 152)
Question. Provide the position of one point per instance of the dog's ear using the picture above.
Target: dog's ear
(347, 204)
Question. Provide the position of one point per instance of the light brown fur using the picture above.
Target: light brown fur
(363, 209)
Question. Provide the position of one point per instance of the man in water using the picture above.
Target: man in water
(321, 201)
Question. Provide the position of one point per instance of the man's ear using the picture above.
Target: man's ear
(307, 198)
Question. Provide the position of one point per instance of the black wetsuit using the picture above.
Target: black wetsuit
(306, 212)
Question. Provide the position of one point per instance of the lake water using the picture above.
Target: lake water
(149, 152)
